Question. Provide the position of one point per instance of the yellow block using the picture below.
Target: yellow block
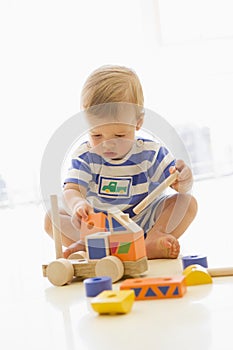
(113, 302)
(196, 274)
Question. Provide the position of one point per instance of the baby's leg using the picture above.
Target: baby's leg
(68, 232)
(70, 235)
(174, 215)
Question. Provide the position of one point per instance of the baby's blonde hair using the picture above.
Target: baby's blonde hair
(110, 84)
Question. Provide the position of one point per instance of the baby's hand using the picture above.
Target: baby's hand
(80, 211)
(184, 180)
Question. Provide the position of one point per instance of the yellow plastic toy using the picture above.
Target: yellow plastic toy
(196, 274)
(113, 302)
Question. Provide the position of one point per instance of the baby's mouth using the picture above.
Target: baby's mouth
(110, 154)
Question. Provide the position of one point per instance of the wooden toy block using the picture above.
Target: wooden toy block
(194, 260)
(96, 222)
(196, 274)
(97, 245)
(113, 302)
(96, 285)
(128, 246)
(156, 288)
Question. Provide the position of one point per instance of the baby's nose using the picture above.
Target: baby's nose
(109, 143)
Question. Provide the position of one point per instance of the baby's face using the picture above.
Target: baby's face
(112, 140)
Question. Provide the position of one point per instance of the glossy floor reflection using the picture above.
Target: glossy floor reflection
(36, 315)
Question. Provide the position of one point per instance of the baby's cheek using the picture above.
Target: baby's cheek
(97, 147)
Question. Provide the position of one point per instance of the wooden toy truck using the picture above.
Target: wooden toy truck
(109, 253)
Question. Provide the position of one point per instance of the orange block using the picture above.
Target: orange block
(156, 288)
(128, 246)
(96, 222)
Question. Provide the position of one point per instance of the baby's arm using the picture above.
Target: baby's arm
(184, 180)
(75, 199)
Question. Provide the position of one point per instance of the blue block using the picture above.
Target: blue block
(96, 248)
(96, 285)
(194, 260)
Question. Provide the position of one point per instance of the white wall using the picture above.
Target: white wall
(49, 47)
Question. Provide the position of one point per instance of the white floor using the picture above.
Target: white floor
(36, 315)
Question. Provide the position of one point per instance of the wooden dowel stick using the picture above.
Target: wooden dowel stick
(56, 226)
(149, 199)
(221, 271)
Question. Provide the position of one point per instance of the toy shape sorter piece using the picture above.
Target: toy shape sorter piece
(113, 302)
(96, 285)
(193, 260)
(196, 274)
(156, 288)
(97, 245)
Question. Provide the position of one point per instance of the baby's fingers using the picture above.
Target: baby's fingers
(185, 174)
(76, 221)
(172, 169)
(83, 213)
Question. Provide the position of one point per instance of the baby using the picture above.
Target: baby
(114, 168)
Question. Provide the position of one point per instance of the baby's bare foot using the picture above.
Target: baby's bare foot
(161, 245)
(73, 248)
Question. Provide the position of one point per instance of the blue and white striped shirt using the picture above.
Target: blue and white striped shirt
(124, 182)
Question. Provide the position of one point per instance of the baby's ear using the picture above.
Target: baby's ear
(140, 122)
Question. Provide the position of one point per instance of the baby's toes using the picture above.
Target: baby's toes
(175, 250)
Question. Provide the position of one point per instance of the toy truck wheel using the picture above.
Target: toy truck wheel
(110, 266)
(78, 255)
(60, 272)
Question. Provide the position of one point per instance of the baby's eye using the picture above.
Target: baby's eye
(97, 136)
(121, 135)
